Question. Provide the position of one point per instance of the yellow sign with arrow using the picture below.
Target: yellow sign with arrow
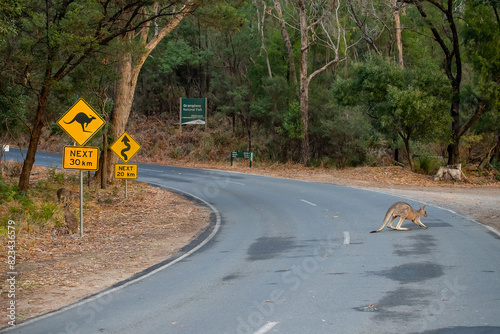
(125, 147)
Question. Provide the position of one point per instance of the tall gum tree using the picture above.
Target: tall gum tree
(130, 66)
(448, 39)
(319, 25)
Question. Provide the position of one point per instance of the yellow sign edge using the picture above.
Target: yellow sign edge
(127, 178)
(84, 147)
(88, 105)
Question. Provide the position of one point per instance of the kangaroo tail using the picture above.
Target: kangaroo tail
(386, 220)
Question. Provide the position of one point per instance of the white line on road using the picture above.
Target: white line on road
(266, 328)
(347, 238)
(154, 170)
(303, 200)
(241, 184)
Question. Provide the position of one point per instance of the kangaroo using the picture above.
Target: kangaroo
(63, 195)
(83, 119)
(404, 211)
(70, 219)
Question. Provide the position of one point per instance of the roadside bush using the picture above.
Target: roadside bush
(427, 165)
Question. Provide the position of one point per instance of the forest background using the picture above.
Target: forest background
(333, 83)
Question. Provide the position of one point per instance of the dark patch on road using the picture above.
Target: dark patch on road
(230, 277)
(442, 224)
(402, 304)
(412, 272)
(422, 244)
(266, 248)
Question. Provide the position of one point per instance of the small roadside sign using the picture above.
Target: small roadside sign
(125, 147)
(81, 158)
(126, 171)
(81, 122)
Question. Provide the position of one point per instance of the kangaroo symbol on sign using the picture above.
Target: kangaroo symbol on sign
(125, 141)
(83, 119)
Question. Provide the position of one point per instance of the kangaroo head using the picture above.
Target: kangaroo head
(422, 210)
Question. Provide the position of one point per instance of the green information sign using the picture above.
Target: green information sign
(193, 111)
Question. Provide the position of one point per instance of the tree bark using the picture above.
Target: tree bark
(288, 44)
(260, 25)
(399, 41)
(36, 132)
(406, 141)
(305, 155)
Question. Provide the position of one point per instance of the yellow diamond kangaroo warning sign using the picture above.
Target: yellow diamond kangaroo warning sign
(125, 147)
(81, 122)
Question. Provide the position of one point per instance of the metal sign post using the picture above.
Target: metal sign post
(81, 203)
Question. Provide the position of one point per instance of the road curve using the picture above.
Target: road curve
(297, 257)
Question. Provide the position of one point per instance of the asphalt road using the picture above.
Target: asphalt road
(287, 256)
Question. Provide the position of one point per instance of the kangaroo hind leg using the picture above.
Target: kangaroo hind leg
(399, 228)
(390, 223)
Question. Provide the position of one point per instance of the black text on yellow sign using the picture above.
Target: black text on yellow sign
(126, 171)
(81, 158)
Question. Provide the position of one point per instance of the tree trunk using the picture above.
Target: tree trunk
(399, 41)
(124, 96)
(305, 155)
(406, 141)
(104, 157)
(260, 25)
(36, 132)
(453, 147)
(288, 43)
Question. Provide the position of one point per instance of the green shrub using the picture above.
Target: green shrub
(8, 193)
(427, 165)
(56, 177)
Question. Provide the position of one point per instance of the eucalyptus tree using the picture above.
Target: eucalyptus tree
(410, 103)
(319, 23)
(482, 41)
(442, 20)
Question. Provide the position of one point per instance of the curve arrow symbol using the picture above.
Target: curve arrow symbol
(126, 142)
